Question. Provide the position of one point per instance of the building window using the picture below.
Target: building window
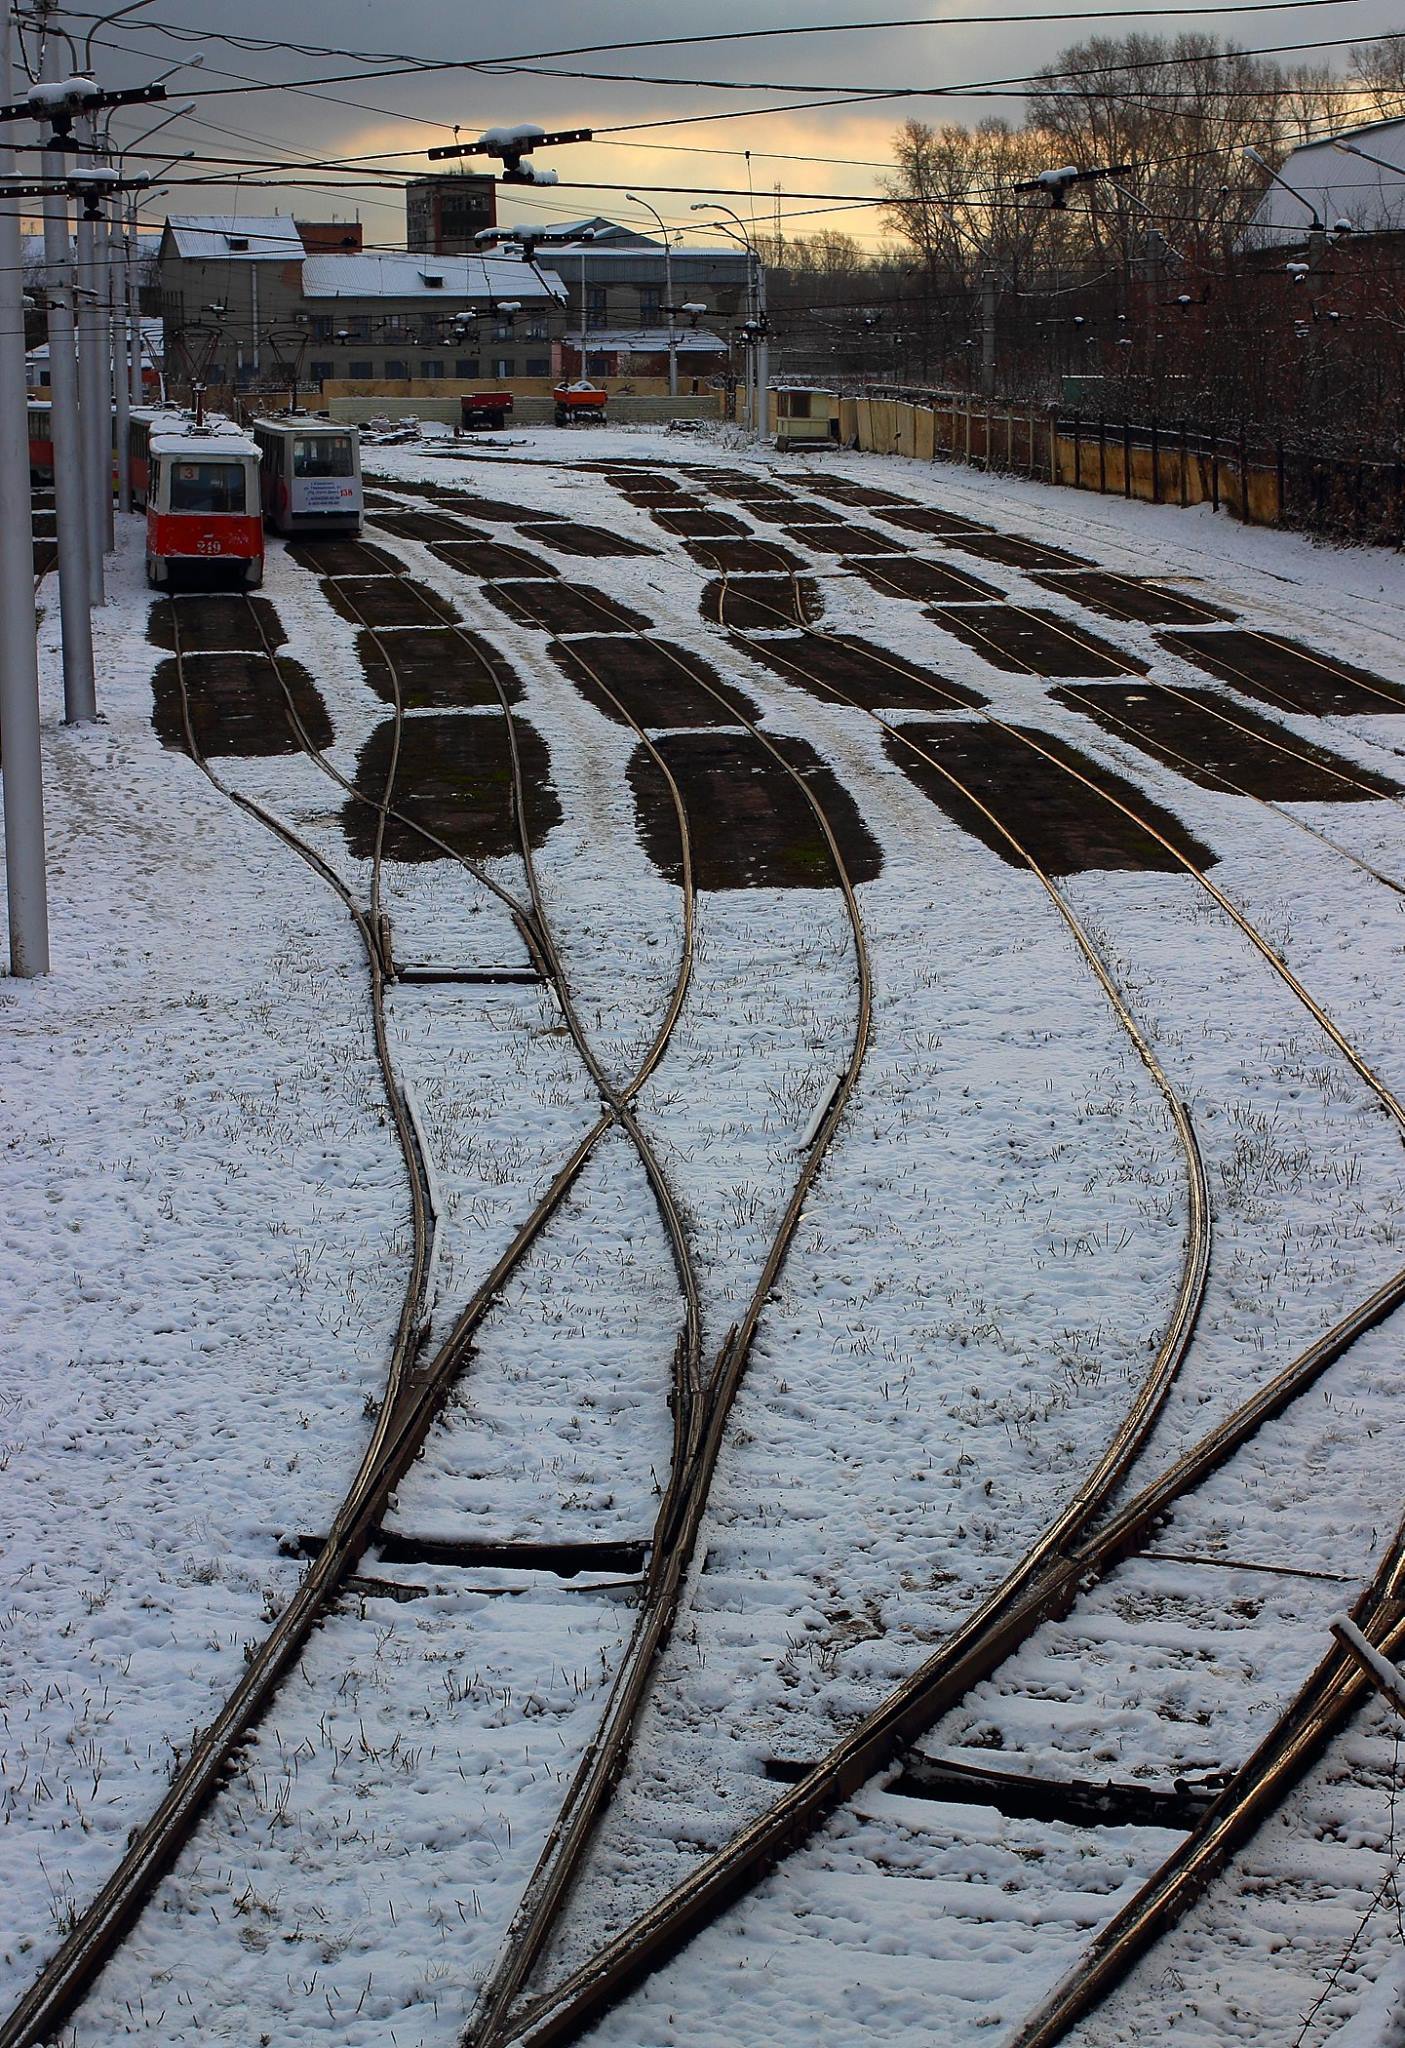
(650, 305)
(538, 366)
(354, 329)
(317, 371)
(466, 366)
(321, 327)
(365, 370)
(502, 330)
(432, 369)
(502, 367)
(396, 366)
(535, 328)
(398, 328)
(595, 305)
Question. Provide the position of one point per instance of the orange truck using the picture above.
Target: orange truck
(580, 405)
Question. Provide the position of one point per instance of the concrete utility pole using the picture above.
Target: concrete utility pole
(79, 696)
(989, 281)
(26, 881)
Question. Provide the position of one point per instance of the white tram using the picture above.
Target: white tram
(199, 482)
(311, 474)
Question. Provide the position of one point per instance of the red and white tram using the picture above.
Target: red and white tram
(200, 487)
(310, 474)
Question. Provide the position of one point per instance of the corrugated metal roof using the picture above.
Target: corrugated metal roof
(397, 276)
(210, 235)
(1339, 186)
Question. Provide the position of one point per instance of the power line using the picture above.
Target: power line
(181, 32)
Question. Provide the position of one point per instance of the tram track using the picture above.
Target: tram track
(414, 1394)
(560, 1864)
(985, 1642)
(979, 1649)
(1283, 746)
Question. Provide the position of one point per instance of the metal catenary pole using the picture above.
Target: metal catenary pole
(763, 354)
(79, 698)
(119, 346)
(94, 413)
(26, 882)
(134, 334)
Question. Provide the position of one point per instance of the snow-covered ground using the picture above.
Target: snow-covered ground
(985, 1266)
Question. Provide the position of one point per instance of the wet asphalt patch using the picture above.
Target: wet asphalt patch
(872, 676)
(1024, 641)
(763, 604)
(922, 581)
(385, 601)
(1064, 826)
(564, 607)
(439, 668)
(750, 825)
(1287, 674)
(344, 557)
(570, 538)
(489, 559)
(238, 706)
(657, 682)
(427, 526)
(1014, 552)
(698, 524)
(1208, 739)
(214, 622)
(1135, 598)
(746, 556)
(453, 776)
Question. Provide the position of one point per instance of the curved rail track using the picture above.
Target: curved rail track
(564, 1853)
(414, 1394)
(493, 2022)
(798, 618)
(1037, 1592)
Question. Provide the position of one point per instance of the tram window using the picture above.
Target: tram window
(208, 487)
(322, 455)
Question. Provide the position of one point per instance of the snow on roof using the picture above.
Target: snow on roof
(220, 234)
(624, 252)
(652, 340)
(406, 276)
(1368, 190)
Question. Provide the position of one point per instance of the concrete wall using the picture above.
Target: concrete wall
(528, 409)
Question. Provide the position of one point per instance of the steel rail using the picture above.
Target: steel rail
(1280, 746)
(1387, 1098)
(549, 1887)
(68, 1974)
(563, 2013)
(1294, 1743)
(409, 1407)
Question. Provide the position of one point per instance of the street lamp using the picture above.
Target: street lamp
(758, 349)
(1264, 165)
(668, 291)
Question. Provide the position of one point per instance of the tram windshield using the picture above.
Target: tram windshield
(322, 455)
(209, 487)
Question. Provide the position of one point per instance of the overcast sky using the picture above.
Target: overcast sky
(247, 113)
